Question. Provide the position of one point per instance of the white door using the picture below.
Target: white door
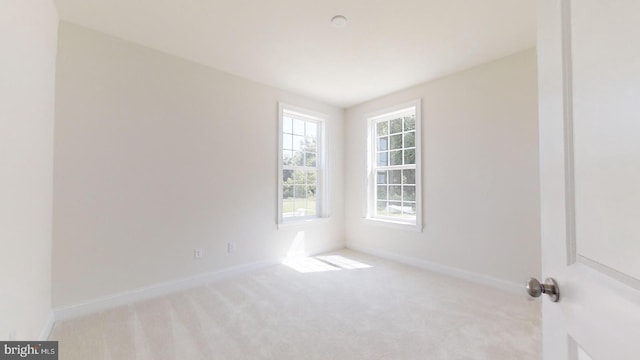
(589, 95)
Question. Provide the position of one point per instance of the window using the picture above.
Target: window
(301, 163)
(394, 194)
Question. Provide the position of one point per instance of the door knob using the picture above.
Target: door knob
(550, 287)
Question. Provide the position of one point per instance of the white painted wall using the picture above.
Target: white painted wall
(480, 173)
(155, 156)
(28, 32)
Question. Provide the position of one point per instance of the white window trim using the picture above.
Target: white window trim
(322, 160)
(369, 205)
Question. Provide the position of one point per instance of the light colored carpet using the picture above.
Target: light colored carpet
(361, 307)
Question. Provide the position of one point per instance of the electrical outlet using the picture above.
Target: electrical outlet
(231, 247)
(197, 253)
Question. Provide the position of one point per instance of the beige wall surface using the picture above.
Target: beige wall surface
(156, 156)
(28, 31)
(479, 172)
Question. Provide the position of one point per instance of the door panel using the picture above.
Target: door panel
(606, 123)
(589, 97)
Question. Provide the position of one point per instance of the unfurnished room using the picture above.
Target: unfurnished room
(295, 179)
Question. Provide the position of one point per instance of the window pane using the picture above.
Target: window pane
(396, 157)
(395, 177)
(395, 208)
(287, 176)
(409, 209)
(310, 208)
(287, 141)
(311, 192)
(298, 158)
(310, 159)
(396, 126)
(288, 203)
(298, 127)
(410, 139)
(382, 128)
(383, 143)
(287, 157)
(299, 207)
(298, 142)
(312, 129)
(381, 208)
(410, 156)
(287, 126)
(382, 177)
(396, 141)
(382, 192)
(311, 178)
(383, 158)
(408, 176)
(287, 192)
(309, 144)
(409, 193)
(299, 177)
(299, 192)
(410, 123)
(395, 192)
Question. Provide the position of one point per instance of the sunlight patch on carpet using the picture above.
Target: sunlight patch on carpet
(309, 265)
(343, 262)
(323, 263)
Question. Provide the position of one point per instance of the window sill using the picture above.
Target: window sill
(394, 224)
(302, 222)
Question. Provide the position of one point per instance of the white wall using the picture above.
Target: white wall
(480, 172)
(155, 156)
(28, 31)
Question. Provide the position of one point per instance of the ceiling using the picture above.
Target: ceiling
(387, 45)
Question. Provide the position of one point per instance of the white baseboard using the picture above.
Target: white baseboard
(46, 329)
(508, 286)
(149, 292)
